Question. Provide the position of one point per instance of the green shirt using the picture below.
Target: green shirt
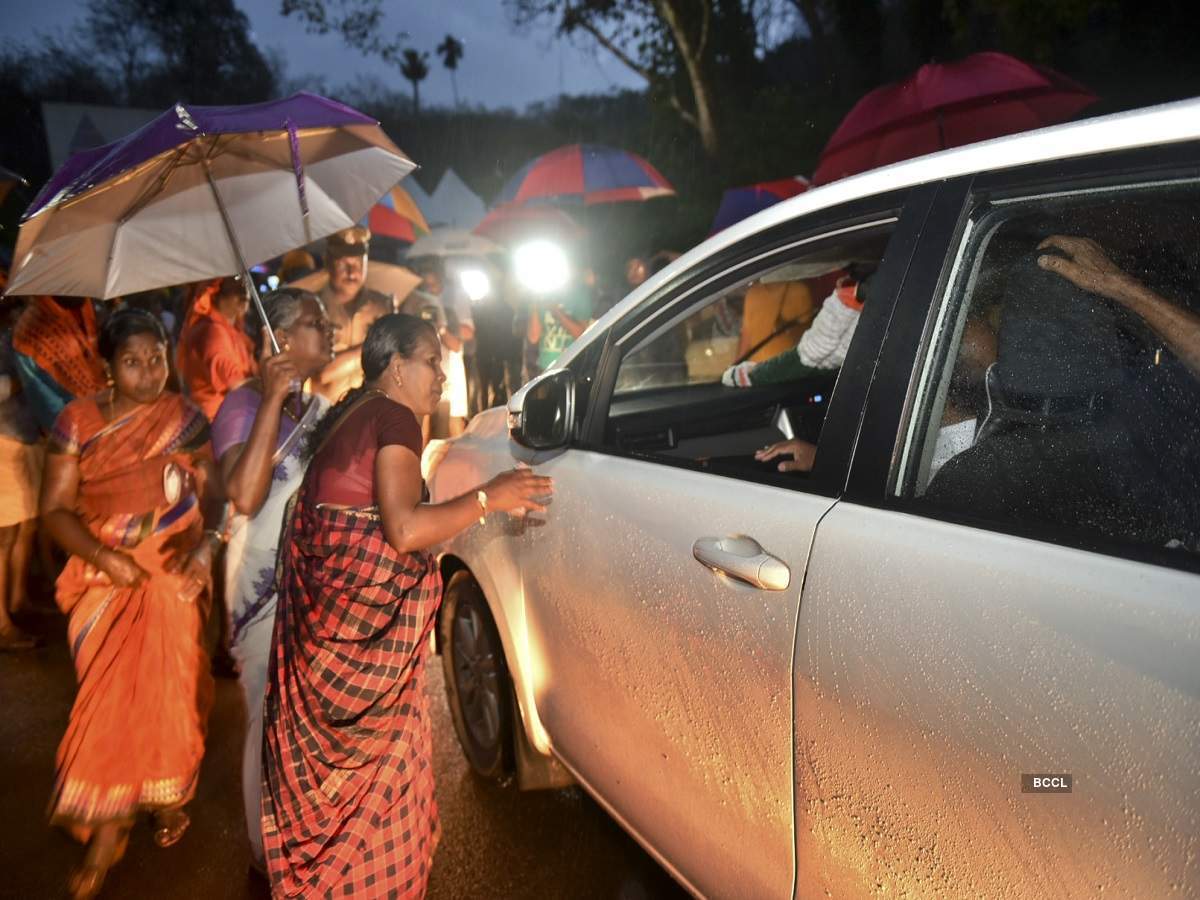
(577, 304)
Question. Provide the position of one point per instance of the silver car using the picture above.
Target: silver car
(958, 654)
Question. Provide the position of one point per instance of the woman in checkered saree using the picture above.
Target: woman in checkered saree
(348, 807)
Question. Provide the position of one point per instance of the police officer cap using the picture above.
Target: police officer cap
(354, 241)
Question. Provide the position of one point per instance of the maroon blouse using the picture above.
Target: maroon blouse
(343, 471)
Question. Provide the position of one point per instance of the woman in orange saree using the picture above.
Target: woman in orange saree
(126, 472)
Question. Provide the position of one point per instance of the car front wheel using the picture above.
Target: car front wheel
(477, 681)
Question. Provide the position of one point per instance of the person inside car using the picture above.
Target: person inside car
(966, 395)
(1070, 433)
(821, 348)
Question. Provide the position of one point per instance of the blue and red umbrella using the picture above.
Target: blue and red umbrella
(397, 216)
(742, 202)
(585, 174)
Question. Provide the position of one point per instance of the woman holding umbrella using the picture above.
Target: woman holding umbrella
(126, 475)
(348, 806)
(259, 436)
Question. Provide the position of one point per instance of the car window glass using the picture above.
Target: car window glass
(1062, 389)
(749, 366)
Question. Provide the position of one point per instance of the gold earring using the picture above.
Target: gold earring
(399, 381)
(108, 379)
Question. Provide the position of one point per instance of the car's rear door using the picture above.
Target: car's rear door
(1009, 588)
(663, 682)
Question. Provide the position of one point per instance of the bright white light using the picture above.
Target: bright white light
(272, 281)
(475, 284)
(541, 266)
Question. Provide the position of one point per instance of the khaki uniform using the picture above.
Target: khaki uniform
(351, 322)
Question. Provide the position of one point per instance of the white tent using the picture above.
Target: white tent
(423, 200)
(453, 204)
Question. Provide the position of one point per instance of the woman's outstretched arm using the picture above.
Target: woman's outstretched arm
(412, 525)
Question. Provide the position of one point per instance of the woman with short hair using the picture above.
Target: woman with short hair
(127, 472)
(348, 806)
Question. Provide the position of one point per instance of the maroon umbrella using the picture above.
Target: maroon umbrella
(945, 105)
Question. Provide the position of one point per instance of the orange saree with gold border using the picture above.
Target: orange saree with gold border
(136, 733)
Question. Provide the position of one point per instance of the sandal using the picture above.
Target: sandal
(87, 880)
(170, 826)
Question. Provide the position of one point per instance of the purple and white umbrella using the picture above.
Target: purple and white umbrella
(202, 192)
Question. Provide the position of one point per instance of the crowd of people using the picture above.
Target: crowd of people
(190, 464)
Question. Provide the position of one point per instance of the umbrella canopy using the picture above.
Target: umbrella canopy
(397, 216)
(511, 225)
(199, 192)
(742, 202)
(383, 277)
(585, 174)
(452, 242)
(944, 105)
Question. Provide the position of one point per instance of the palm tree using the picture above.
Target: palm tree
(451, 51)
(414, 69)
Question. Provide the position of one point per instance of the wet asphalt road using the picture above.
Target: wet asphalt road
(497, 841)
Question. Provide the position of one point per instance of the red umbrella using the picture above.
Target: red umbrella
(512, 224)
(945, 105)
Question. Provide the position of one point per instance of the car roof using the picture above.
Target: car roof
(1164, 124)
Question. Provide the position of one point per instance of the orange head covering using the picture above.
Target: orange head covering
(63, 345)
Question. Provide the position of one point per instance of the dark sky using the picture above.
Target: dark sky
(500, 68)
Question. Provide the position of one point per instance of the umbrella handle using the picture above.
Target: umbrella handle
(237, 252)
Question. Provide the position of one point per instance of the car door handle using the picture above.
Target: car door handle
(743, 558)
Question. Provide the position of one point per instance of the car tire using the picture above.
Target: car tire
(478, 687)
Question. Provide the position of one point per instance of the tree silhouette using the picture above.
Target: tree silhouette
(670, 43)
(451, 51)
(414, 67)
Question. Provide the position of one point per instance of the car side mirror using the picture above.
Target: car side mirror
(540, 415)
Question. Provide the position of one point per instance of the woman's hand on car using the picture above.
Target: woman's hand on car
(802, 454)
(517, 489)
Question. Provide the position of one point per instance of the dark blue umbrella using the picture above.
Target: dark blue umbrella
(742, 202)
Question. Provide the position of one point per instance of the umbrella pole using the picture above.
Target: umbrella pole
(237, 252)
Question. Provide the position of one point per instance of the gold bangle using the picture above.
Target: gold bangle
(481, 499)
